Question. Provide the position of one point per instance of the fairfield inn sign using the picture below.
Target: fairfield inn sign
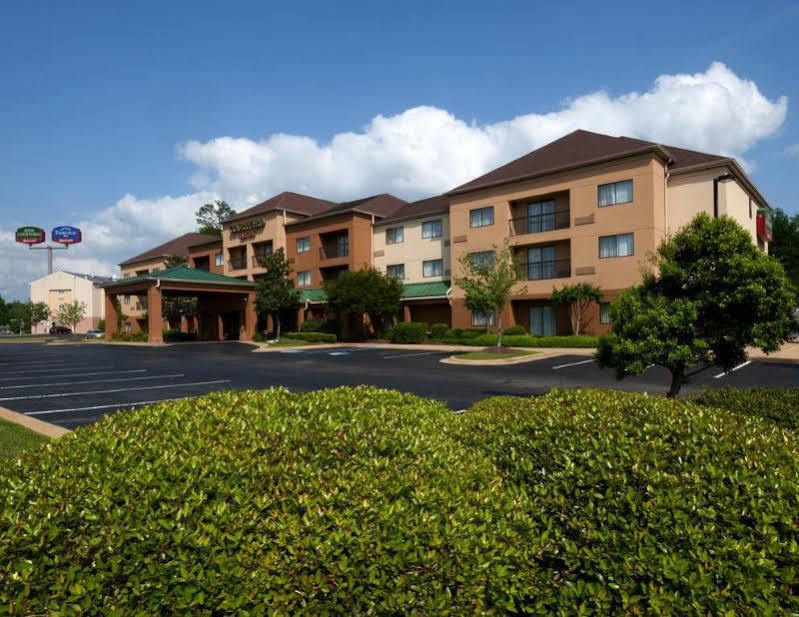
(247, 228)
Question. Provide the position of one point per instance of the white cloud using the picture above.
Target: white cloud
(419, 152)
(793, 151)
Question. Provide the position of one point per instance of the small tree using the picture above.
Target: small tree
(275, 291)
(366, 291)
(210, 216)
(712, 294)
(488, 283)
(579, 298)
(71, 314)
(39, 312)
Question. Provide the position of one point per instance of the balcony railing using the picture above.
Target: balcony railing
(334, 251)
(542, 270)
(258, 258)
(238, 263)
(537, 223)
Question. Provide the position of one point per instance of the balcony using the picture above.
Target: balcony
(238, 263)
(334, 251)
(539, 223)
(258, 259)
(544, 270)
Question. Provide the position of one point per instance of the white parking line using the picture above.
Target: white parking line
(733, 369)
(111, 406)
(76, 383)
(62, 394)
(555, 368)
(30, 363)
(138, 370)
(410, 355)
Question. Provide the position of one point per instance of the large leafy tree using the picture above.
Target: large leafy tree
(711, 294)
(275, 291)
(17, 315)
(39, 312)
(71, 314)
(487, 283)
(366, 291)
(210, 216)
(785, 245)
(579, 298)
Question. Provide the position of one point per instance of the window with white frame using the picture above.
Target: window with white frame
(396, 270)
(395, 235)
(219, 260)
(604, 314)
(483, 259)
(615, 193)
(303, 244)
(482, 319)
(304, 278)
(481, 217)
(432, 267)
(432, 229)
(620, 245)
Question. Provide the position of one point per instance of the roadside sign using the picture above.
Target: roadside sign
(30, 235)
(66, 235)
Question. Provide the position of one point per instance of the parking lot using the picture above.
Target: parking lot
(76, 384)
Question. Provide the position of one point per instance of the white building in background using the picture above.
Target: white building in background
(61, 288)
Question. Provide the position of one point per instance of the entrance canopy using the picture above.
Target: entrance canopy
(225, 305)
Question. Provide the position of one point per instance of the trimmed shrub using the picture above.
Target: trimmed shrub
(438, 330)
(174, 335)
(311, 337)
(780, 405)
(312, 325)
(514, 331)
(571, 340)
(101, 325)
(453, 333)
(409, 332)
(258, 336)
(131, 337)
(360, 501)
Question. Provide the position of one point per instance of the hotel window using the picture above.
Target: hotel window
(543, 321)
(155, 270)
(126, 299)
(218, 259)
(432, 229)
(395, 235)
(604, 313)
(615, 193)
(432, 267)
(481, 217)
(304, 278)
(483, 259)
(396, 270)
(621, 245)
(303, 244)
(481, 319)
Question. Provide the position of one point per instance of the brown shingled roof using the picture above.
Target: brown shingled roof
(418, 209)
(382, 205)
(177, 247)
(581, 148)
(291, 202)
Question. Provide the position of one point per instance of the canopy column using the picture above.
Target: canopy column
(155, 324)
(111, 309)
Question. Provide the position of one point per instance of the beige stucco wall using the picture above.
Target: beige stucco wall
(274, 229)
(63, 288)
(414, 249)
(133, 306)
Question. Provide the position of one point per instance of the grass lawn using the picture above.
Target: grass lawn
(493, 355)
(14, 439)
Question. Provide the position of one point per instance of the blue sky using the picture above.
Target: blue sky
(115, 118)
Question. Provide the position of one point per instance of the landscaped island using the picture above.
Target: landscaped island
(363, 501)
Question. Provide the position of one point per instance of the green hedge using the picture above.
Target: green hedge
(131, 337)
(514, 330)
(175, 336)
(408, 332)
(488, 340)
(438, 330)
(781, 405)
(360, 501)
(312, 337)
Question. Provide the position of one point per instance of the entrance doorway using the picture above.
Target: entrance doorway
(231, 324)
(543, 321)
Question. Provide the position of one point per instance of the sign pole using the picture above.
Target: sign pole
(49, 250)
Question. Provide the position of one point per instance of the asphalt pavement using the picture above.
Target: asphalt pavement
(76, 384)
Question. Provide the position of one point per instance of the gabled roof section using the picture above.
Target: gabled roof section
(183, 274)
(288, 201)
(581, 148)
(177, 247)
(420, 209)
(94, 279)
(382, 205)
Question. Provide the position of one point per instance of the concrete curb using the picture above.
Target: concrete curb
(542, 353)
(37, 426)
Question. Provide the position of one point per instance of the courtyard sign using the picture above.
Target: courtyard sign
(66, 235)
(253, 225)
(30, 235)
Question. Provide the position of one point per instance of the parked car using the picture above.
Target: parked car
(60, 330)
(95, 334)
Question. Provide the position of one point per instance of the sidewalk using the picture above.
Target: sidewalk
(788, 353)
